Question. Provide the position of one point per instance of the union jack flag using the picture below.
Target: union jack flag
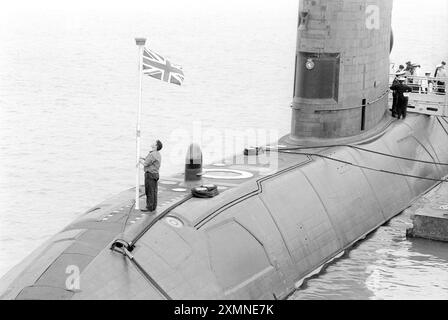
(156, 66)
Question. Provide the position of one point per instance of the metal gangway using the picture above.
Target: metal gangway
(428, 96)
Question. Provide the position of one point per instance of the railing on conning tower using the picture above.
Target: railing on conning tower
(428, 95)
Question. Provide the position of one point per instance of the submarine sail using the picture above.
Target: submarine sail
(342, 69)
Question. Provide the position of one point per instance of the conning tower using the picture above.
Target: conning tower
(341, 76)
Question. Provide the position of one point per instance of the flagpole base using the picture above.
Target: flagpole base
(137, 199)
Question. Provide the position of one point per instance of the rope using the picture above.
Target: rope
(446, 121)
(365, 150)
(443, 127)
(362, 167)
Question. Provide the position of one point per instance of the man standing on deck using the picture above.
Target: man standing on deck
(402, 91)
(398, 74)
(151, 166)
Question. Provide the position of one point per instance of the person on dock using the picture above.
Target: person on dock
(151, 166)
(409, 70)
(417, 76)
(425, 83)
(402, 91)
(440, 74)
(401, 70)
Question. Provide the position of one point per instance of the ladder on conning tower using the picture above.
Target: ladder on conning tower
(428, 96)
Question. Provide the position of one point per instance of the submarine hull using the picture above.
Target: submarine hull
(259, 239)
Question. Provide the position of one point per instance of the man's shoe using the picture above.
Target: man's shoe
(145, 210)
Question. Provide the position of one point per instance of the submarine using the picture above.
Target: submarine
(278, 214)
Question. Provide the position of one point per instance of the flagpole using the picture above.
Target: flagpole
(141, 44)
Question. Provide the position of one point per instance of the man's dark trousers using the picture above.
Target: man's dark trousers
(151, 190)
(394, 104)
(402, 107)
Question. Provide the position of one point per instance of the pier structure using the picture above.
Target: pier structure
(430, 215)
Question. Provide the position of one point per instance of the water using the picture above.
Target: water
(68, 99)
(385, 266)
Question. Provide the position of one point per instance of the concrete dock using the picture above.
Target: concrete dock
(430, 215)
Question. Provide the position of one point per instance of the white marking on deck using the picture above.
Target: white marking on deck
(170, 183)
(240, 174)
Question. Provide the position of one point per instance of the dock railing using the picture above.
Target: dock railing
(429, 95)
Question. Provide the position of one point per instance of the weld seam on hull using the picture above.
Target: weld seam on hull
(158, 218)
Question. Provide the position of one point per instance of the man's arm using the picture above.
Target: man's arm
(149, 160)
(146, 161)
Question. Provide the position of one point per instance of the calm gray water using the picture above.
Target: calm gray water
(68, 99)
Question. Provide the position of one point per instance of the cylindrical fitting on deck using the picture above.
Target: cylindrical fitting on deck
(193, 163)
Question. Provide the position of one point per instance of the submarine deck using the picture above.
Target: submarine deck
(90, 237)
(82, 241)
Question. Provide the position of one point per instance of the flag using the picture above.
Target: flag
(156, 66)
